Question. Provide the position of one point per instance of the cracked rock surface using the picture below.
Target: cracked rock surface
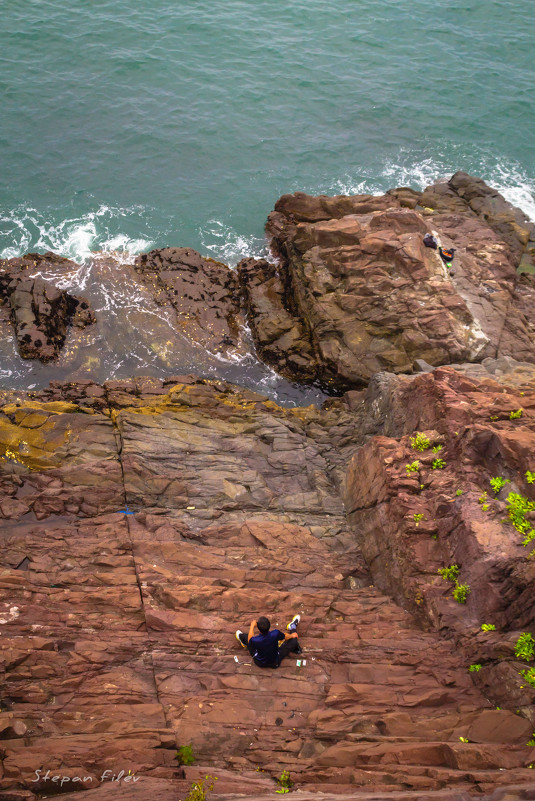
(142, 523)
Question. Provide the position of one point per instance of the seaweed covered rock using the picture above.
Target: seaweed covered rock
(40, 310)
(204, 294)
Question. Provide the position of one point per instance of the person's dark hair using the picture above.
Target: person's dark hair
(263, 624)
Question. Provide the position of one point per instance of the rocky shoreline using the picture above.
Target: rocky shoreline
(143, 520)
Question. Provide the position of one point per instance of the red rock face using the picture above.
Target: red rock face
(356, 291)
(118, 629)
(411, 523)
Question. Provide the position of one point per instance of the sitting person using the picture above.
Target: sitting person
(264, 647)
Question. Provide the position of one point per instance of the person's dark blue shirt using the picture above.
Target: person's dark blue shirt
(265, 648)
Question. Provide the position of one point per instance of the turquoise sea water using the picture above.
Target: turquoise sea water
(143, 123)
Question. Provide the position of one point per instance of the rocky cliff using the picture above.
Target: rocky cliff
(144, 520)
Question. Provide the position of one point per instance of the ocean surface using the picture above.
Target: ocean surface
(130, 125)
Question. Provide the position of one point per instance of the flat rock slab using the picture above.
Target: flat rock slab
(141, 527)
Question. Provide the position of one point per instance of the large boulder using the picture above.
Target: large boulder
(356, 291)
(40, 310)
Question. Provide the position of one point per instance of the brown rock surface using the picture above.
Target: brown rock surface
(356, 291)
(463, 520)
(142, 524)
(41, 312)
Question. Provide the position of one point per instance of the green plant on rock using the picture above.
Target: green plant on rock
(529, 676)
(529, 537)
(449, 573)
(474, 668)
(485, 506)
(184, 755)
(438, 464)
(459, 492)
(464, 739)
(525, 647)
(498, 482)
(494, 417)
(488, 627)
(200, 788)
(530, 477)
(516, 415)
(532, 741)
(517, 509)
(417, 517)
(413, 467)
(461, 592)
(420, 442)
(285, 783)
(437, 448)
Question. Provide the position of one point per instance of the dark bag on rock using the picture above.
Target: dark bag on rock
(430, 241)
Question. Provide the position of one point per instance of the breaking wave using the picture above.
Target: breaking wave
(77, 238)
(509, 179)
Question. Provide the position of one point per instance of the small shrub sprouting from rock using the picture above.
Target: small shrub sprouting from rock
(184, 755)
(285, 783)
(516, 415)
(459, 492)
(420, 442)
(532, 741)
(474, 668)
(517, 508)
(437, 448)
(494, 417)
(461, 592)
(438, 464)
(530, 477)
(485, 506)
(525, 647)
(488, 627)
(413, 467)
(464, 739)
(449, 573)
(529, 676)
(498, 482)
(417, 517)
(200, 788)
(482, 498)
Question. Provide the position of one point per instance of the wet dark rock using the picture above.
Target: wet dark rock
(41, 312)
(204, 294)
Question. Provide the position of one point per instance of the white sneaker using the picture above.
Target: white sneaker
(238, 638)
(294, 622)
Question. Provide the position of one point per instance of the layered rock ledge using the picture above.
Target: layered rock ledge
(144, 521)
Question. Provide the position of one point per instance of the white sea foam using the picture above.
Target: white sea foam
(509, 179)
(225, 244)
(76, 238)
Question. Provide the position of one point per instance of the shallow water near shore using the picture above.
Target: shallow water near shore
(138, 125)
